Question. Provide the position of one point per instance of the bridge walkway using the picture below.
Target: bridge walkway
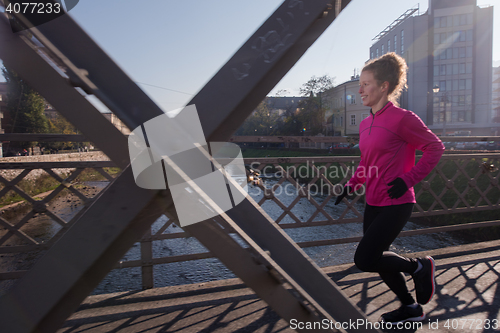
(467, 295)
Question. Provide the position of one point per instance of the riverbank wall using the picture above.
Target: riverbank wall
(84, 156)
(71, 157)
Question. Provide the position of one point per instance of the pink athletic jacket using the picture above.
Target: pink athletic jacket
(388, 141)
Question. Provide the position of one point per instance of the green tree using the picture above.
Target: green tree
(311, 115)
(25, 107)
(316, 85)
(289, 123)
(261, 122)
(292, 124)
(265, 121)
(58, 124)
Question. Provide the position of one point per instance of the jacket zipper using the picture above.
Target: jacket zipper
(373, 119)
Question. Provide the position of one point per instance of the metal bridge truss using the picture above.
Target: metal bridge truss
(272, 265)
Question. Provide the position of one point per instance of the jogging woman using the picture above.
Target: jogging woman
(388, 140)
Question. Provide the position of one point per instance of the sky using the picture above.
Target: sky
(171, 48)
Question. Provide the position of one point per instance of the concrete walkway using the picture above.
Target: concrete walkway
(467, 300)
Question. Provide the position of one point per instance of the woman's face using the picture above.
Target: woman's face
(371, 93)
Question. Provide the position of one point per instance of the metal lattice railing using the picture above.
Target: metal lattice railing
(467, 182)
(24, 235)
(470, 184)
(459, 183)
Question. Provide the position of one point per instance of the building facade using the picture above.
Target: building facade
(449, 47)
(3, 106)
(495, 98)
(345, 109)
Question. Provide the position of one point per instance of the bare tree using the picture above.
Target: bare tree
(317, 85)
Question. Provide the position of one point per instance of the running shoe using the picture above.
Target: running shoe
(425, 280)
(403, 314)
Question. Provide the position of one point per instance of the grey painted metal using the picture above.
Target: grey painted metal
(253, 71)
(107, 230)
(345, 159)
(462, 158)
(292, 139)
(256, 271)
(24, 59)
(407, 233)
(79, 260)
(267, 235)
(147, 260)
(234, 256)
(351, 138)
(469, 138)
(137, 116)
(294, 261)
(165, 260)
(239, 266)
(233, 92)
(12, 275)
(169, 259)
(336, 241)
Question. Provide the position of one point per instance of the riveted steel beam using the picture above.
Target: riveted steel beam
(233, 93)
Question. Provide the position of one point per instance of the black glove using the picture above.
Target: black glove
(345, 192)
(398, 188)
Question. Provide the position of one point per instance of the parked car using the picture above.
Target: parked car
(339, 146)
(476, 145)
(492, 145)
(342, 146)
(469, 145)
(450, 145)
(482, 145)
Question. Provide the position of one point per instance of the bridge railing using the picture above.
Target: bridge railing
(459, 183)
(296, 192)
(43, 185)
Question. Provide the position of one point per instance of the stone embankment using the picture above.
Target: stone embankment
(71, 157)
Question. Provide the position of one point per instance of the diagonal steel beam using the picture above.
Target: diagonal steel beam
(40, 301)
(63, 292)
(230, 96)
(212, 130)
(23, 58)
(245, 80)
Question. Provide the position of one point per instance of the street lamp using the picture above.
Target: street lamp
(444, 99)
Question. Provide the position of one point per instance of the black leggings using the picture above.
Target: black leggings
(381, 226)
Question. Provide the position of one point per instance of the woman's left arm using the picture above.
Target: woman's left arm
(413, 130)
